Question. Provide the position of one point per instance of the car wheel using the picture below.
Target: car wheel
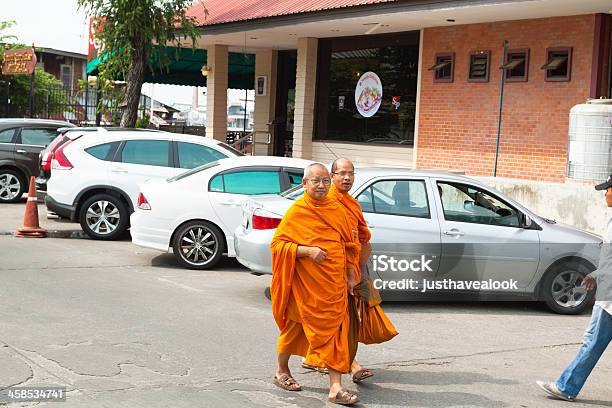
(12, 186)
(198, 245)
(104, 217)
(561, 288)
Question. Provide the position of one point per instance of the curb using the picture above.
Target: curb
(63, 234)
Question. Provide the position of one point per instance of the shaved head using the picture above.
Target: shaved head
(316, 181)
(314, 166)
(343, 174)
(340, 161)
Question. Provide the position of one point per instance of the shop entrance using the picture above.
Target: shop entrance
(285, 103)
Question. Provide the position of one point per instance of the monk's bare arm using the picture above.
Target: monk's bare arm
(351, 281)
(366, 251)
(314, 253)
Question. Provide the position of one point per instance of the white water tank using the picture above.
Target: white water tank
(590, 140)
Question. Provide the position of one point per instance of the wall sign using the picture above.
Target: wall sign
(395, 101)
(368, 94)
(261, 85)
(21, 61)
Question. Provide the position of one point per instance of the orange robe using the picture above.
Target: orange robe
(358, 222)
(374, 325)
(310, 300)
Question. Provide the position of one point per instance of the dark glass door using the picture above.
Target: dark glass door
(285, 103)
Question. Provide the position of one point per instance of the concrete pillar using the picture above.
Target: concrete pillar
(266, 63)
(305, 90)
(216, 92)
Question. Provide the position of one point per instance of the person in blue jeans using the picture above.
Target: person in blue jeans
(599, 333)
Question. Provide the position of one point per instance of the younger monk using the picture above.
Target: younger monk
(311, 249)
(343, 177)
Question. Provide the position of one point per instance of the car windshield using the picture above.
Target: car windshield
(231, 149)
(193, 171)
(293, 193)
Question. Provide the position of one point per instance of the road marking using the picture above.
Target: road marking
(180, 285)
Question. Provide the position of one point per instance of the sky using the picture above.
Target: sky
(61, 25)
(48, 23)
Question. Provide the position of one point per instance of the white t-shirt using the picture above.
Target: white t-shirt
(607, 303)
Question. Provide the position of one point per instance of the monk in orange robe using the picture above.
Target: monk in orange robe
(311, 249)
(343, 177)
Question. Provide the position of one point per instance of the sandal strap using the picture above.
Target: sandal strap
(342, 394)
(286, 379)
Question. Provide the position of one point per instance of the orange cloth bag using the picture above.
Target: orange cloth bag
(375, 327)
(354, 327)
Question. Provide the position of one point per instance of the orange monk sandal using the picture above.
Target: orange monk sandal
(344, 397)
(361, 375)
(286, 382)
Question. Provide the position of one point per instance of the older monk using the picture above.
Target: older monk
(311, 249)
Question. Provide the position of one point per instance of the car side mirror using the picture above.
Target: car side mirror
(468, 205)
(527, 221)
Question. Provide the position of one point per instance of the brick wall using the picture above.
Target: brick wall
(458, 121)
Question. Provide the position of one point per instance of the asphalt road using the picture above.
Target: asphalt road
(122, 326)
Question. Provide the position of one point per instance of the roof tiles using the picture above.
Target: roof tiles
(227, 11)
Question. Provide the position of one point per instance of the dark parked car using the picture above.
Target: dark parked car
(21, 141)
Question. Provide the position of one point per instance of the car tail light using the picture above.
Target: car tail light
(143, 204)
(45, 162)
(263, 219)
(60, 161)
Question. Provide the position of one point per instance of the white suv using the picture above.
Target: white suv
(94, 178)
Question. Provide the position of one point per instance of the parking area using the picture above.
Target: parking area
(123, 326)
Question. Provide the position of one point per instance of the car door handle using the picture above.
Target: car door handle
(122, 171)
(370, 226)
(21, 151)
(454, 233)
(230, 202)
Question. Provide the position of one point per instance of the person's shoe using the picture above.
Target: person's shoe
(552, 389)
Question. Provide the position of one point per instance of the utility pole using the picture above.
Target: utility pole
(501, 104)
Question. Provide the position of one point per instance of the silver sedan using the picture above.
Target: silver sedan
(449, 236)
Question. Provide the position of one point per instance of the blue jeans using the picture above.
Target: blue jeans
(597, 337)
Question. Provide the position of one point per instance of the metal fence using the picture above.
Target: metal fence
(85, 105)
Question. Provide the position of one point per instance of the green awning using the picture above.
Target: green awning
(185, 68)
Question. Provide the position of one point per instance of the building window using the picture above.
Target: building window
(479, 66)
(366, 89)
(66, 75)
(444, 67)
(516, 66)
(558, 64)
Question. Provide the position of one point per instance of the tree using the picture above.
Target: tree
(4, 25)
(128, 30)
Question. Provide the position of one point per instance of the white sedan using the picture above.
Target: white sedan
(196, 213)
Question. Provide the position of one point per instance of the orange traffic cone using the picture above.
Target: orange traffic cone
(31, 228)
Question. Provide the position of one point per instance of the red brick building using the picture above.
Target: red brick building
(458, 119)
(414, 83)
